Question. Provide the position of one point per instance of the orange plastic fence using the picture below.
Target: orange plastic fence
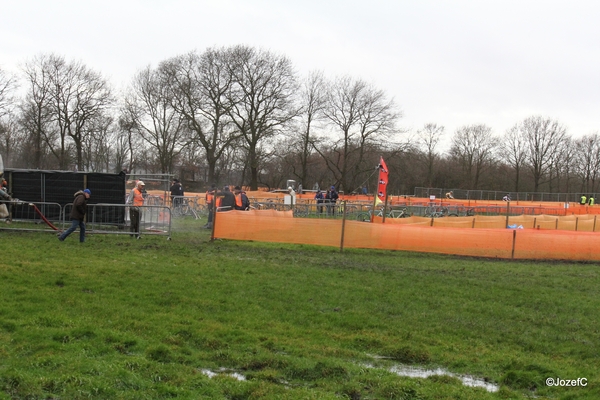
(583, 223)
(276, 226)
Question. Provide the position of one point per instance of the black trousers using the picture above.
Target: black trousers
(135, 217)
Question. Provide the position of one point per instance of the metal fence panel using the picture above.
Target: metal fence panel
(115, 219)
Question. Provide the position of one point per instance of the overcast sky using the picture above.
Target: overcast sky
(452, 62)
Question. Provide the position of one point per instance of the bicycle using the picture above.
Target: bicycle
(466, 212)
(439, 212)
(393, 213)
(301, 210)
(182, 208)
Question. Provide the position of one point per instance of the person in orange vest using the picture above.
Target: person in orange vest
(210, 204)
(241, 200)
(135, 213)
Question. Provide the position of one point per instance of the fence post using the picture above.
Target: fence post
(344, 226)
(512, 256)
(594, 228)
(507, 211)
(385, 208)
(214, 221)
(576, 223)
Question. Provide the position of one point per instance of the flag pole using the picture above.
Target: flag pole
(375, 191)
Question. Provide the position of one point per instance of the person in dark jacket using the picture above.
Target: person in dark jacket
(226, 200)
(320, 200)
(176, 192)
(77, 215)
(331, 198)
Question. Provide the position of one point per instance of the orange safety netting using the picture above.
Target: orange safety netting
(484, 242)
(584, 223)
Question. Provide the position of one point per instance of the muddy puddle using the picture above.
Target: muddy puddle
(467, 380)
(223, 371)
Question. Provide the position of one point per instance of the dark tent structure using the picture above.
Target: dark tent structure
(39, 186)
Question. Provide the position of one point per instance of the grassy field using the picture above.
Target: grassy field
(117, 318)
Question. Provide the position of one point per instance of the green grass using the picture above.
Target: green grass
(140, 319)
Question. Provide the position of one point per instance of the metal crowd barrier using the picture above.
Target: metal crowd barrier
(193, 206)
(115, 219)
(32, 216)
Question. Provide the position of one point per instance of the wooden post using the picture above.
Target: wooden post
(507, 212)
(214, 220)
(473, 225)
(385, 207)
(512, 256)
(576, 223)
(534, 220)
(594, 229)
(343, 227)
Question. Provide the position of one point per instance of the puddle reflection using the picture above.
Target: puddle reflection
(467, 380)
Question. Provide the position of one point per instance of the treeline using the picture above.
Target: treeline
(241, 115)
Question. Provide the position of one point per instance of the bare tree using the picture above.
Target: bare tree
(8, 128)
(261, 99)
(543, 137)
(564, 166)
(312, 100)
(429, 138)
(8, 84)
(9, 139)
(78, 96)
(36, 112)
(123, 143)
(62, 101)
(365, 120)
(97, 146)
(513, 151)
(473, 148)
(200, 84)
(587, 161)
(149, 112)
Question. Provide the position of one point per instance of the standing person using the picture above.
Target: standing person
(331, 196)
(591, 201)
(292, 193)
(77, 215)
(241, 200)
(227, 199)
(176, 192)
(135, 213)
(4, 196)
(4, 192)
(320, 199)
(210, 204)
(583, 200)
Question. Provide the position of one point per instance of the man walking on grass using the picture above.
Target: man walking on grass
(77, 215)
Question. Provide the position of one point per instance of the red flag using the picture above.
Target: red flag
(383, 180)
